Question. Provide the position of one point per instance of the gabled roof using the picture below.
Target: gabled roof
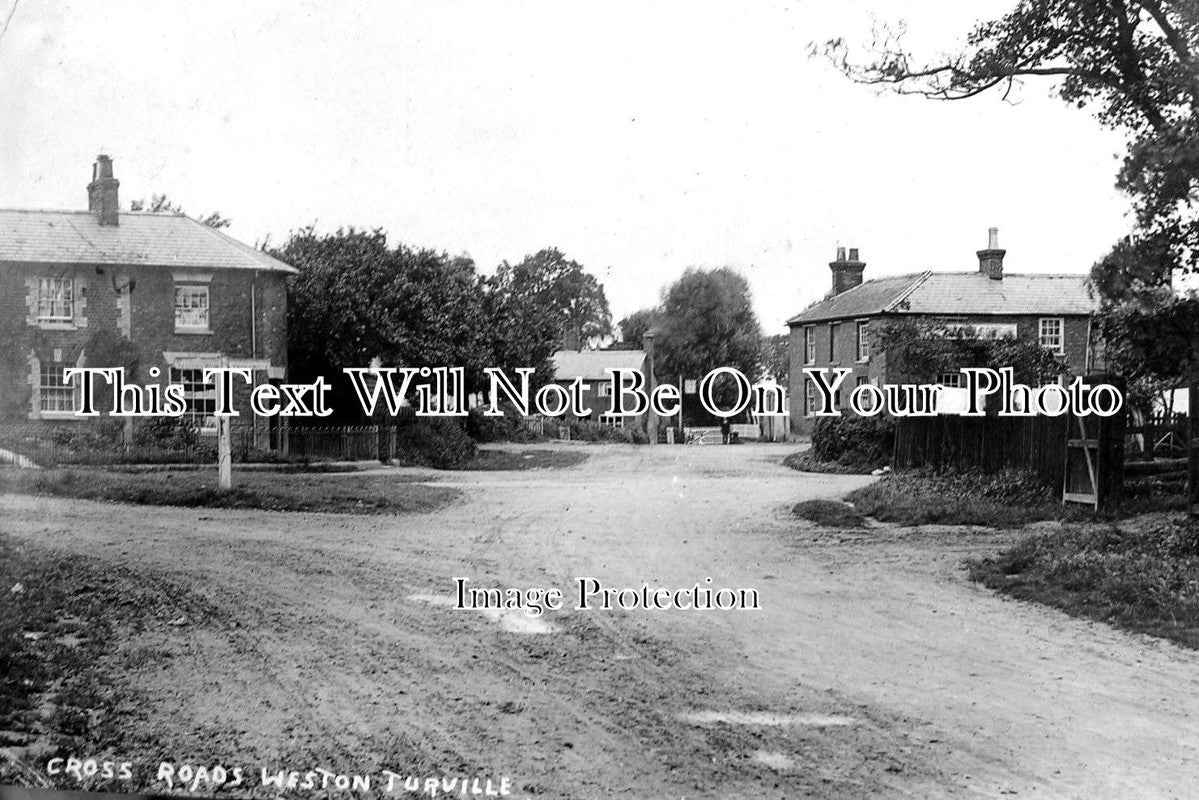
(956, 293)
(590, 364)
(141, 238)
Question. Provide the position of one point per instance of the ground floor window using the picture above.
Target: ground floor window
(611, 421)
(55, 393)
(951, 380)
(198, 394)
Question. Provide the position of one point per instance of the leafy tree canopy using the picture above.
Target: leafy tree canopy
(708, 321)
(544, 302)
(356, 299)
(1134, 63)
(634, 327)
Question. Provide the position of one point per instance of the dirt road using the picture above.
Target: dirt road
(872, 669)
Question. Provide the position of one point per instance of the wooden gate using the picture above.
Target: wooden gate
(1094, 469)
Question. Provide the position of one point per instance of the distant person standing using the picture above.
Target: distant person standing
(726, 428)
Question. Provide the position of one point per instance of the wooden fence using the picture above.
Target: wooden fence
(987, 444)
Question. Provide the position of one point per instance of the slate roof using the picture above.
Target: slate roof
(141, 238)
(590, 364)
(956, 293)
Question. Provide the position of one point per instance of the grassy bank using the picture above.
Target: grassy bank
(920, 497)
(807, 462)
(342, 493)
(1142, 575)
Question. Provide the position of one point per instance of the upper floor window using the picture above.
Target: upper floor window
(863, 341)
(55, 299)
(1050, 334)
(809, 345)
(832, 341)
(191, 308)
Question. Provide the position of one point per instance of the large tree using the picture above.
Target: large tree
(1134, 63)
(543, 303)
(634, 327)
(356, 299)
(707, 321)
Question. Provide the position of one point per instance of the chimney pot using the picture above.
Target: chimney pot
(103, 198)
(990, 261)
(847, 272)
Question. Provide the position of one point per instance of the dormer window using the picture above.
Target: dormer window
(55, 300)
(191, 309)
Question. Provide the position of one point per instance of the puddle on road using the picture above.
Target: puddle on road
(776, 761)
(511, 620)
(765, 718)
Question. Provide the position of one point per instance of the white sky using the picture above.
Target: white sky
(640, 138)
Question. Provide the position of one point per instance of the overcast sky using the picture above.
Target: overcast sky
(640, 138)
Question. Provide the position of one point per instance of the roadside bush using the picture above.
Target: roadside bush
(506, 428)
(865, 441)
(436, 442)
(167, 433)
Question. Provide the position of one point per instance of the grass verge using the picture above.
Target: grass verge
(341, 493)
(829, 513)
(1141, 575)
(1002, 500)
(516, 460)
(806, 462)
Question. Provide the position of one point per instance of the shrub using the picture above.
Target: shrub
(167, 433)
(436, 442)
(854, 440)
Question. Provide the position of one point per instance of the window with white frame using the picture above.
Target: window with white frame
(604, 389)
(951, 380)
(1050, 334)
(809, 344)
(863, 341)
(55, 299)
(55, 394)
(191, 308)
(611, 421)
(809, 403)
(198, 395)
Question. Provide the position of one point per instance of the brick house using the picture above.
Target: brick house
(591, 366)
(186, 296)
(1052, 309)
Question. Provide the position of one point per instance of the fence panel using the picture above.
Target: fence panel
(988, 444)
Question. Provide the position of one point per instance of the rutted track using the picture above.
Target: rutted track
(306, 649)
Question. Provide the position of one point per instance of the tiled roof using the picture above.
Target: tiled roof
(952, 293)
(164, 240)
(590, 364)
